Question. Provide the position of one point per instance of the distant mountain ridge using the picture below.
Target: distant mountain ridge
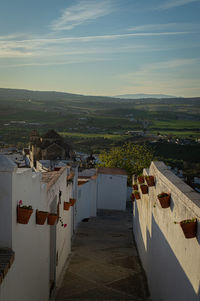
(137, 96)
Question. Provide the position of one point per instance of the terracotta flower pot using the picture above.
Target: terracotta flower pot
(72, 201)
(141, 179)
(133, 197)
(164, 199)
(135, 187)
(150, 181)
(137, 196)
(144, 189)
(41, 217)
(66, 205)
(23, 215)
(52, 219)
(189, 228)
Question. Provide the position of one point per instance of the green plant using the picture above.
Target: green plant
(24, 206)
(163, 195)
(187, 221)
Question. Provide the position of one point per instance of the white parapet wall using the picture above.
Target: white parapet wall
(171, 262)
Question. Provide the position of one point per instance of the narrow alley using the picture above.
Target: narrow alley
(104, 263)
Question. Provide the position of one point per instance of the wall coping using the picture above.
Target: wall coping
(189, 197)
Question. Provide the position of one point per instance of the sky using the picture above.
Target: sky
(101, 47)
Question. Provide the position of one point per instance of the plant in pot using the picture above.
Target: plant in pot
(23, 213)
(189, 227)
(41, 217)
(52, 218)
(66, 205)
(144, 188)
(135, 186)
(150, 181)
(164, 199)
(72, 201)
(140, 179)
(136, 194)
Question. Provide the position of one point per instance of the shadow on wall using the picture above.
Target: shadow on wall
(166, 278)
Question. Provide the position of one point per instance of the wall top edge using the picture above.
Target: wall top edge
(186, 194)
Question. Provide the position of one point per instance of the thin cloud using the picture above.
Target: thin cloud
(165, 26)
(34, 47)
(82, 12)
(175, 3)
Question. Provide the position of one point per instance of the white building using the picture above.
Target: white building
(111, 188)
(40, 250)
(33, 256)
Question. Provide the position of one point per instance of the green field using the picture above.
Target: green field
(92, 123)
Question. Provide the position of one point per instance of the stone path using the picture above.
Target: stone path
(104, 263)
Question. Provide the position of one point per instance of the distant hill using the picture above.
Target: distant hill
(14, 94)
(142, 96)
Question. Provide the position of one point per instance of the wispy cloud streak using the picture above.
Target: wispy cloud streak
(82, 12)
(175, 3)
(32, 47)
(165, 26)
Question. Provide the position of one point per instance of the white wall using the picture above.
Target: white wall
(111, 192)
(171, 262)
(86, 201)
(63, 235)
(26, 280)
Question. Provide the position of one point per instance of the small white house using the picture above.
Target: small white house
(111, 188)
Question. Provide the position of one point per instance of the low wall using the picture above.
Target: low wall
(171, 262)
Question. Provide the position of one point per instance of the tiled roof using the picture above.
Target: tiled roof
(52, 176)
(52, 134)
(70, 176)
(82, 181)
(111, 171)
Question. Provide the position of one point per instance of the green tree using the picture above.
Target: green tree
(131, 157)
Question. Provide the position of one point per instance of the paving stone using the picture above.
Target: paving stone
(104, 264)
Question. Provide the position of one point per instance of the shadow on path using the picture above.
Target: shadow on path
(104, 263)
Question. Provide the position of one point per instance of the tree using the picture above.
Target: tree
(131, 157)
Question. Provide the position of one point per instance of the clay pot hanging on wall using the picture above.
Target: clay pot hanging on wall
(150, 181)
(72, 201)
(66, 205)
(189, 227)
(41, 217)
(135, 187)
(164, 199)
(144, 188)
(141, 179)
(24, 214)
(52, 219)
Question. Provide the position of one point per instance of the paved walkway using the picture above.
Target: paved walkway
(104, 263)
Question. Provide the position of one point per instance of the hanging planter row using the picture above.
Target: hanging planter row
(149, 180)
(24, 213)
(189, 226)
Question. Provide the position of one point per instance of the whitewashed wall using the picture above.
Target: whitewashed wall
(26, 280)
(86, 201)
(111, 192)
(63, 235)
(171, 262)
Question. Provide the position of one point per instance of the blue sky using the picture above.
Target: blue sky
(101, 47)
